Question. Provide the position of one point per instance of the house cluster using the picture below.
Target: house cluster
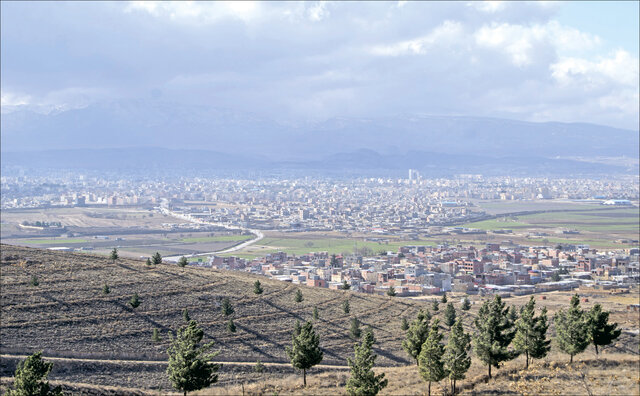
(427, 270)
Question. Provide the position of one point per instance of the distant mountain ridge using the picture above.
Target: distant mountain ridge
(136, 123)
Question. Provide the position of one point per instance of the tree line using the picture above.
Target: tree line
(501, 334)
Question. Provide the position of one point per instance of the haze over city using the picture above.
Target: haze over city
(239, 197)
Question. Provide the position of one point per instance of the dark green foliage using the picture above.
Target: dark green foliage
(495, 332)
(513, 314)
(183, 261)
(155, 337)
(405, 324)
(231, 327)
(345, 285)
(156, 258)
(135, 301)
(345, 306)
(106, 289)
(354, 330)
(189, 368)
(435, 306)
(114, 254)
(259, 367)
(305, 349)
(227, 308)
(334, 261)
(257, 287)
(456, 356)
(185, 315)
(555, 277)
(417, 335)
(449, 315)
(34, 281)
(531, 333)
(31, 378)
(466, 304)
(444, 298)
(363, 381)
(315, 315)
(391, 292)
(298, 297)
(430, 361)
(600, 331)
(572, 329)
(148, 261)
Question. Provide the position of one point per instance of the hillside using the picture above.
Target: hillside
(100, 340)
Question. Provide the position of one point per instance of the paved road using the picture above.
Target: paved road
(259, 235)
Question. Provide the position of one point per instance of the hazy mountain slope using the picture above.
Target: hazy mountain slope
(160, 124)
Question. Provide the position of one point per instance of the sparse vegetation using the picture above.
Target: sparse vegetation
(346, 308)
(391, 292)
(227, 308)
(156, 258)
(257, 287)
(183, 261)
(31, 378)
(106, 289)
(354, 330)
(155, 337)
(298, 297)
(114, 254)
(134, 301)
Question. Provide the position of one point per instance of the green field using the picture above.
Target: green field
(221, 238)
(301, 246)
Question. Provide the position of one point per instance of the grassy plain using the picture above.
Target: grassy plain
(104, 342)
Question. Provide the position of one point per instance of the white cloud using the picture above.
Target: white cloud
(204, 12)
(12, 99)
(318, 11)
(620, 69)
(445, 34)
(488, 6)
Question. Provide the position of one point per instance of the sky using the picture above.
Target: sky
(312, 61)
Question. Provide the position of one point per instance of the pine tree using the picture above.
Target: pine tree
(417, 335)
(572, 329)
(466, 304)
(227, 308)
(298, 297)
(531, 333)
(315, 315)
(345, 307)
(135, 301)
(31, 378)
(114, 254)
(189, 367)
(430, 359)
(449, 315)
(257, 287)
(34, 281)
(456, 356)
(156, 258)
(494, 333)
(231, 327)
(183, 261)
(405, 324)
(600, 331)
(148, 261)
(363, 381)
(259, 367)
(155, 337)
(106, 289)
(391, 292)
(444, 298)
(185, 315)
(305, 349)
(435, 306)
(345, 285)
(354, 330)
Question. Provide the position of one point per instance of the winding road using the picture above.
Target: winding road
(259, 235)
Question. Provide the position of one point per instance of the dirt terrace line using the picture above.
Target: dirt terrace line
(164, 362)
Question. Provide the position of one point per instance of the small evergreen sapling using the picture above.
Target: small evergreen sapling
(305, 351)
(135, 301)
(156, 258)
(531, 333)
(494, 334)
(106, 289)
(227, 308)
(405, 324)
(435, 306)
(114, 255)
(456, 356)
(231, 327)
(345, 307)
(466, 304)
(572, 329)
(391, 292)
(417, 335)
(449, 315)
(34, 281)
(363, 381)
(444, 298)
(183, 261)
(430, 361)
(31, 378)
(155, 337)
(601, 332)
(185, 315)
(354, 330)
(257, 287)
(345, 285)
(298, 297)
(315, 314)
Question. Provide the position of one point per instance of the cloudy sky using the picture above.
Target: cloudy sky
(573, 62)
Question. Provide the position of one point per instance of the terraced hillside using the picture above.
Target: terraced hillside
(68, 315)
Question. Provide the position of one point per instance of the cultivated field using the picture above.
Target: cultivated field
(100, 340)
